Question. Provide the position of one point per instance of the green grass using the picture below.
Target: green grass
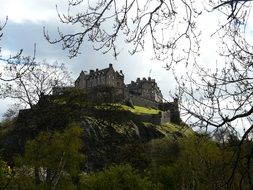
(136, 110)
(141, 110)
(170, 128)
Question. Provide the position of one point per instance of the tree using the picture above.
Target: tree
(5, 174)
(116, 177)
(56, 155)
(38, 79)
(15, 60)
(167, 24)
(221, 97)
(211, 98)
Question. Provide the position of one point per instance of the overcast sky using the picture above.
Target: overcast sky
(26, 19)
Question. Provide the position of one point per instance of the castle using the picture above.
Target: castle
(142, 92)
(103, 85)
(147, 89)
(106, 77)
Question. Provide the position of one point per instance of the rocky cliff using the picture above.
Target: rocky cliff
(111, 133)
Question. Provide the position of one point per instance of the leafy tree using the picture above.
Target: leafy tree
(196, 162)
(116, 178)
(211, 96)
(202, 164)
(165, 150)
(135, 154)
(5, 174)
(163, 153)
(53, 156)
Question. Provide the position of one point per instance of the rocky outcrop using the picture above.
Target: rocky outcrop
(104, 141)
(110, 134)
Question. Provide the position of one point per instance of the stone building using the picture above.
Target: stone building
(139, 91)
(145, 88)
(107, 85)
(98, 78)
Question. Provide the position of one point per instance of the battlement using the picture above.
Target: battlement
(145, 88)
(142, 92)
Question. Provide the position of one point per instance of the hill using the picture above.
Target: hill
(112, 133)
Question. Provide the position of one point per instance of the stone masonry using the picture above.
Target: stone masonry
(141, 90)
(105, 77)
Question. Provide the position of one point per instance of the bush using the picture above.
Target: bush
(120, 177)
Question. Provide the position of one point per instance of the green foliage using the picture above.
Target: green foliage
(51, 156)
(165, 175)
(5, 174)
(6, 125)
(120, 177)
(141, 110)
(136, 154)
(52, 148)
(192, 162)
(112, 113)
(164, 151)
(198, 163)
(4, 169)
(195, 162)
(181, 160)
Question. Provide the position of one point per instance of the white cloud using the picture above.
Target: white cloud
(28, 10)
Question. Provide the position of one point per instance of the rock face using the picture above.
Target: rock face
(104, 142)
(104, 138)
(110, 135)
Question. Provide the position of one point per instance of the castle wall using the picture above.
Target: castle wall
(147, 88)
(165, 117)
(105, 77)
(161, 118)
(82, 83)
(155, 119)
(140, 101)
(109, 84)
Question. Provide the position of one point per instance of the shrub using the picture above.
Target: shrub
(120, 177)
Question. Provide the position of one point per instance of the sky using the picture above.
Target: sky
(26, 19)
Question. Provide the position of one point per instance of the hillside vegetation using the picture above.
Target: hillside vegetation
(67, 142)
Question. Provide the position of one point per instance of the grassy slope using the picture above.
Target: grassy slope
(136, 110)
(140, 110)
(167, 129)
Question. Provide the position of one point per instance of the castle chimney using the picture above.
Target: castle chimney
(96, 70)
(138, 79)
(144, 79)
(121, 71)
(110, 65)
(149, 78)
